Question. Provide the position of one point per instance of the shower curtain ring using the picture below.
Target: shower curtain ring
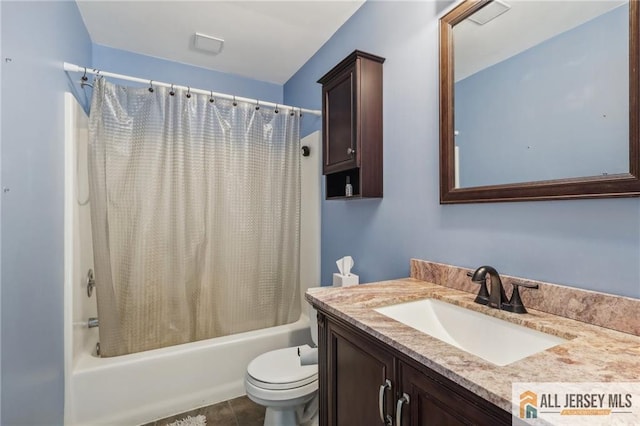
(172, 92)
(276, 110)
(151, 86)
(97, 77)
(188, 95)
(257, 104)
(211, 97)
(293, 112)
(234, 101)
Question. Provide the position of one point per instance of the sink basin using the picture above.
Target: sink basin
(497, 341)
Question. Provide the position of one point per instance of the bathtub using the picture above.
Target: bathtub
(142, 387)
(146, 386)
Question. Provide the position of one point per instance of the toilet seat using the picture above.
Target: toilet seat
(288, 390)
(281, 370)
(281, 397)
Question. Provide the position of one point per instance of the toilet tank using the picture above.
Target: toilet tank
(313, 324)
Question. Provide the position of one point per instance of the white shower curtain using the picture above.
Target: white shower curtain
(195, 216)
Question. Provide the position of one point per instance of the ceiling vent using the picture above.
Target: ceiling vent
(489, 12)
(207, 43)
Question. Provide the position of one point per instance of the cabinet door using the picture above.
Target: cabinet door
(356, 370)
(442, 403)
(339, 122)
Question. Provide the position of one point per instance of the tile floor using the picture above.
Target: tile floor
(235, 412)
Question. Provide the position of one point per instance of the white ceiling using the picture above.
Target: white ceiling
(263, 40)
(525, 25)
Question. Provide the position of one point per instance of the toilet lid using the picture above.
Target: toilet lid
(281, 369)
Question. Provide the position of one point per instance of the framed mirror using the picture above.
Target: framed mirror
(539, 100)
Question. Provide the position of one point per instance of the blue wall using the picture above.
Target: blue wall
(559, 109)
(593, 244)
(38, 37)
(123, 62)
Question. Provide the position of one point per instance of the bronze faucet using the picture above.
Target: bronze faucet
(497, 298)
(497, 294)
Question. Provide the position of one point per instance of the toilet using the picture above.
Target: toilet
(287, 389)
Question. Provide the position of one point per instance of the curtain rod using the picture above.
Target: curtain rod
(93, 71)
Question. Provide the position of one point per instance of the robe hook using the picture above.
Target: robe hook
(84, 79)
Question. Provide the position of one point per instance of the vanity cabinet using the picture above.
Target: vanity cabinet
(363, 380)
(434, 400)
(357, 370)
(352, 126)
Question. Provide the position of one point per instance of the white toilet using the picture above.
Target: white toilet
(289, 390)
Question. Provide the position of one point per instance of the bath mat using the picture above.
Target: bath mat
(190, 421)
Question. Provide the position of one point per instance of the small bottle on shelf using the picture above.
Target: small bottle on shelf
(348, 189)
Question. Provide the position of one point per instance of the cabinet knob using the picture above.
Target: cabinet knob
(351, 151)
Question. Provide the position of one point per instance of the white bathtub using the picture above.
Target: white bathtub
(146, 386)
(142, 387)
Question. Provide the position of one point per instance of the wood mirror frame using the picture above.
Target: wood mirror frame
(615, 185)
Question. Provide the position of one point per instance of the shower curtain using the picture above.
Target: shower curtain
(195, 208)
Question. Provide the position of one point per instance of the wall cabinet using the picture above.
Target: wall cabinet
(366, 382)
(352, 126)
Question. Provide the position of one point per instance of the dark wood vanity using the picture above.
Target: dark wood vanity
(376, 370)
(363, 381)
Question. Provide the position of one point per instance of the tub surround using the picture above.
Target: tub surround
(592, 354)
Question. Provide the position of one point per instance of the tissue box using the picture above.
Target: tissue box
(345, 280)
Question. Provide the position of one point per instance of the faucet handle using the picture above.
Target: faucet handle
(483, 294)
(515, 303)
(521, 284)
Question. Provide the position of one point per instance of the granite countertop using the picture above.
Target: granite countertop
(591, 354)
